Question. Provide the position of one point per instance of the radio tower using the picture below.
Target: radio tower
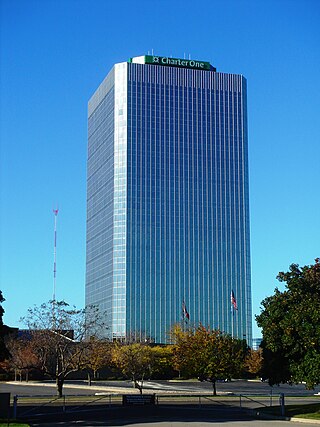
(55, 211)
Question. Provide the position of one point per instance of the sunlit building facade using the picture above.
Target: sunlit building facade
(168, 199)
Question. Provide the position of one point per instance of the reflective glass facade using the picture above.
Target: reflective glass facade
(168, 208)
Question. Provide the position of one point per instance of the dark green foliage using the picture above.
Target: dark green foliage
(4, 331)
(290, 321)
(1, 308)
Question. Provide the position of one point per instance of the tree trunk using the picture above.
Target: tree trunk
(59, 384)
(89, 379)
(27, 375)
(138, 386)
(214, 387)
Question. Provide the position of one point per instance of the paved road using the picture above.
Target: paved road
(80, 387)
(237, 387)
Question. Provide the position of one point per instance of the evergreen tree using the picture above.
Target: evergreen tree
(290, 322)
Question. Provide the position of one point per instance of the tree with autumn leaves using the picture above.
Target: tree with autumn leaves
(97, 355)
(23, 358)
(290, 322)
(253, 362)
(139, 361)
(207, 354)
(60, 337)
(134, 360)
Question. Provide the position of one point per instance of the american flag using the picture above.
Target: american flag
(233, 301)
(185, 311)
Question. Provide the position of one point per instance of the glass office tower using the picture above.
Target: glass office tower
(168, 199)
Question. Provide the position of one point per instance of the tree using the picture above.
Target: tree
(290, 322)
(1, 308)
(22, 355)
(208, 354)
(59, 336)
(135, 361)
(162, 362)
(253, 362)
(3, 350)
(4, 332)
(97, 355)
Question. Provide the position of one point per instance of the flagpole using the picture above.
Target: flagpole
(233, 309)
(182, 318)
(232, 315)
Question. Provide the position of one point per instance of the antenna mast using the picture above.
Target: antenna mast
(55, 211)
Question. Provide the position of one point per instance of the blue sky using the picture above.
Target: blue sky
(55, 53)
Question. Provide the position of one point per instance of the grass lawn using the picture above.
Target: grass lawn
(13, 424)
(310, 411)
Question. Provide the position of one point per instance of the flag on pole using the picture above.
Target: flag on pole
(185, 313)
(233, 301)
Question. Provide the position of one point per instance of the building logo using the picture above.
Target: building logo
(176, 62)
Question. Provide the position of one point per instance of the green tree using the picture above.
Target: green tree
(162, 366)
(207, 354)
(135, 361)
(60, 338)
(1, 308)
(290, 322)
(4, 332)
(4, 354)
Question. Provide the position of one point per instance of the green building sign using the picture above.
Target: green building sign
(176, 62)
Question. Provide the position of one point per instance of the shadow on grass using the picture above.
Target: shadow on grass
(151, 415)
(310, 411)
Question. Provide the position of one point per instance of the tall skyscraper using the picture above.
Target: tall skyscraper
(167, 199)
